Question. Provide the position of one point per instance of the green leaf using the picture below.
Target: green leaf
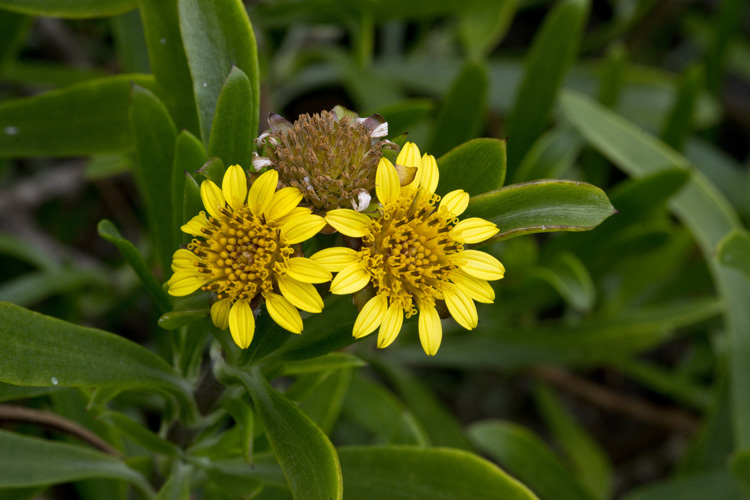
(235, 125)
(155, 135)
(14, 28)
(29, 461)
(109, 232)
(189, 156)
(168, 61)
(591, 465)
(130, 42)
(542, 206)
(41, 351)
(9, 392)
(70, 9)
(408, 472)
(185, 310)
(402, 115)
(213, 170)
(476, 167)
(217, 35)
(551, 156)
(463, 111)
(569, 276)
(305, 453)
(83, 119)
(324, 402)
(528, 458)
(703, 210)
(713, 484)
(330, 361)
(481, 28)
(612, 74)
(31, 288)
(678, 124)
(139, 434)
(552, 53)
(741, 468)
(734, 251)
(177, 486)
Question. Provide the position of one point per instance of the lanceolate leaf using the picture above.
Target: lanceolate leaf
(234, 125)
(69, 8)
(539, 206)
(27, 461)
(409, 472)
(476, 167)
(734, 251)
(84, 119)
(189, 156)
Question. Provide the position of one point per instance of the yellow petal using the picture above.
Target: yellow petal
(261, 192)
(307, 271)
(234, 186)
(301, 295)
(455, 202)
(477, 289)
(473, 230)
(213, 198)
(301, 228)
(430, 329)
(242, 323)
(480, 265)
(350, 279)
(391, 326)
(220, 313)
(409, 157)
(184, 259)
(370, 317)
(335, 259)
(185, 282)
(387, 185)
(462, 308)
(349, 222)
(283, 202)
(296, 212)
(428, 178)
(285, 314)
(195, 225)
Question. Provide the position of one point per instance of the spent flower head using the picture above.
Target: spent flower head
(413, 255)
(244, 250)
(331, 157)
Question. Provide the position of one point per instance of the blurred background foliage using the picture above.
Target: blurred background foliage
(615, 363)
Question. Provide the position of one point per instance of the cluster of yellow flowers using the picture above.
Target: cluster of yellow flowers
(407, 252)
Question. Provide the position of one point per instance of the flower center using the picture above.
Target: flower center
(409, 251)
(240, 252)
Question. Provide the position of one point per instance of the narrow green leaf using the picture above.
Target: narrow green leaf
(714, 484)
(192, 204)
(83, 119)
(482, 27)
(673, 384)
(734, 251)
(591, 465)
(155, 135)
(702, 209)
(41, 351)
(741, 468)
(409, 472)
(185, 310)
(189, 156)
(306, 455)
(213, 170)
(29, 461)
(14, 28)
(139, 434)
(330, 361)
(18, 248)
(612, 75)
(324, 402)
(234, 125)
(177, 486)
(109, 232)
(168, 61)
(218, 35)
(528, 458)
(569, 276)
(542, 206)
(552, 53)
(31, 288)
(476, 167)
(726, 22)
(70, 9)
(130, 42)
(463, 111)
(403, 115)
(679, 122)
(9, 392)
(109, 165)
(550, 157)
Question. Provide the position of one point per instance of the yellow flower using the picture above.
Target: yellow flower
(245, 248)
(413, 255)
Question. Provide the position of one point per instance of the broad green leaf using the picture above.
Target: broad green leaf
(528, 458)
(168, 62)
(324, 402)
(109, 232)
(330, 361)
(177, 486)
(83, 119)
(130, 42)
(155, 135)
(552, 53)
(213, 170)
(185, 310)
(476, 167)
(463, 111)
(9, 392)
(542, 206)
(714, 484)
(569, 276)
(409, 472)
(27, 461)
(70, 9)
(481, 28)
(235, 124)
(305, 453)
(217, 35)
(137, 433)
(589, 461)
(402, 115)
(701, 208)
(31, 288)
(41, 351)
(550, 157)
(679, 123)
(734, 251)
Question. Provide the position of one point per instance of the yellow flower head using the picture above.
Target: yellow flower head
(244, 248)
(413, 255)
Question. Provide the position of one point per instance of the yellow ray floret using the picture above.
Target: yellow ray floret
(244, 252)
